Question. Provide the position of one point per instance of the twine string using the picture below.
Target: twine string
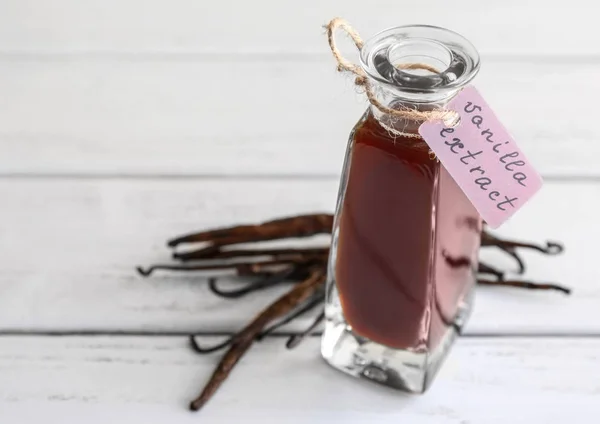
(449, 117)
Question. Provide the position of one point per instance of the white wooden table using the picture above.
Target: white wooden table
(126, 122)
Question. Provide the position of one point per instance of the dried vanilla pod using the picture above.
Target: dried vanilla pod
(304, 269)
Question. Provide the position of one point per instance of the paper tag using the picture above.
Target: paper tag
(483, 158)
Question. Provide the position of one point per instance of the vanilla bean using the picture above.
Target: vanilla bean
(551, 247)
(241, 268)
(216, 253)
(208, 252)
(269, 281)
(290, 227)
(489, 240)
(488, 269)
(148, 271)
(525, 285)
(270, 267)
(205, 350)
(296, 339)
(296, 314)
(244, 339)
(513, 253)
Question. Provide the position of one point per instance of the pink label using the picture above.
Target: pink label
(483, 158)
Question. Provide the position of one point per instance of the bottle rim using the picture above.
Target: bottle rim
(383, 55)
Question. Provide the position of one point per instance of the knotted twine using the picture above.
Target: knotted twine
(449, 117)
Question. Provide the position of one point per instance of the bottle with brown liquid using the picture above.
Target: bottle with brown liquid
(406, 238)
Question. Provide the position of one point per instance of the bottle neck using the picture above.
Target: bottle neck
(392, 98)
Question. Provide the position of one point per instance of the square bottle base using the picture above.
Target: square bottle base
(405, 370)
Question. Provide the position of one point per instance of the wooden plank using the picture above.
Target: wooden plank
(76, 26)
(143, 379)
(68, 250)
(258, 118)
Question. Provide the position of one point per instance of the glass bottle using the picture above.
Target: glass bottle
(405, 243)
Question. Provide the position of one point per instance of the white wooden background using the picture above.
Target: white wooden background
(123, 123)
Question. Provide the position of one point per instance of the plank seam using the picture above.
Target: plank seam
(558, 178)
(100, 333)
(256, 56)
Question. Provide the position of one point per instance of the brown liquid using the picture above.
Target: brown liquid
(408, 241)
